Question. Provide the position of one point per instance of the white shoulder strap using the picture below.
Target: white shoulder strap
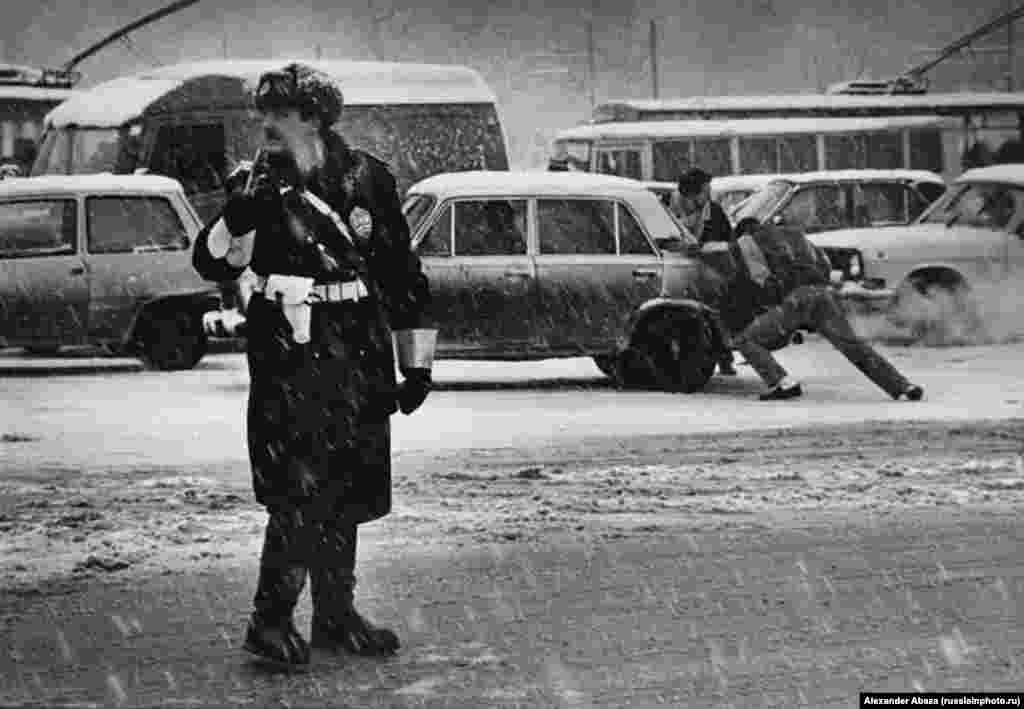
(325, 209)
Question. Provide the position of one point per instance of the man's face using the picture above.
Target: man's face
(287, 129)
(691, 202)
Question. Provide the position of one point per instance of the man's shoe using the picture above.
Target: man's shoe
(781, 393)
(354, 634)
(277, 644)
(912, 393)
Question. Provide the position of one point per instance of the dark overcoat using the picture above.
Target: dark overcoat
(318, 416)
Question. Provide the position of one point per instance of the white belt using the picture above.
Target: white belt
(337, 292)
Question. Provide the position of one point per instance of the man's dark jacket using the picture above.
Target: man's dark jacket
(318, 416)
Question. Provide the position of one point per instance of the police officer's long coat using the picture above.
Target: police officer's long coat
(318, 416)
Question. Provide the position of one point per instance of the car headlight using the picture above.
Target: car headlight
(855, 267)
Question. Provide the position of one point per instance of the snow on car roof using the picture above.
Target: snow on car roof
(482, 182)
(102, 182)
(115, 102)
(865, 174)
(723, 182)
(777, 102)
(743, 126)
(1012, 174)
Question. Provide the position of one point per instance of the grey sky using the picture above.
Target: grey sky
(704, 46)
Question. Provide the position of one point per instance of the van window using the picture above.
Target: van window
(632, 239)
(133, 224)
(493, 227)
(38, 228)
(798, 153)
(622, 163)
(758, 156)
(671, 159)
(854, 152)
(926, 150)
(195, 155)
(438, 240)
(713, 155)
(576, 226)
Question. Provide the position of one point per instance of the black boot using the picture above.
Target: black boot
(271, 634)
(276, 642)
(337, 625)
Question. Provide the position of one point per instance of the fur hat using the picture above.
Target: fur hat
(312, 92)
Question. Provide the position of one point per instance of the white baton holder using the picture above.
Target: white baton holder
(293, 294)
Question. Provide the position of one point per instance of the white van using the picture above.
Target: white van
(194, 122)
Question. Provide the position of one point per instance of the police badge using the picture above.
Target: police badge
(361, 222)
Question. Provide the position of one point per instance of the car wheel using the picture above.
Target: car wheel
(936, 311)
(172, 340)
(671, 353)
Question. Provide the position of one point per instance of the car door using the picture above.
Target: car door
(44, 283)
(483, 284)
(137, 250)
(594, 266)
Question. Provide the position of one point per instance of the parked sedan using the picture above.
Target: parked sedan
(528, 265)
(102, 259)
(971, 236)
(842, 199)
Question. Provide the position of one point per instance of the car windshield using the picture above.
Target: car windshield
(415, 208)
(763, 202)
(988, 205)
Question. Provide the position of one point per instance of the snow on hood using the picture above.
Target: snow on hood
(922, 241)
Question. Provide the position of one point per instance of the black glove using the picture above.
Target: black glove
(413, 391)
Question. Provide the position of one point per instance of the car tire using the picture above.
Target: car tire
(171, 340)
(672, 352)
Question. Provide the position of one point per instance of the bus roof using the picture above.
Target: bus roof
(746, 126)
(946, 103)
(120, 100)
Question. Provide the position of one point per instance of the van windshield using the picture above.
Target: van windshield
(83, 151)
(420, 140)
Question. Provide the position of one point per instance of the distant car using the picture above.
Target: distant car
(973, 234)
(102, 259)
(729, 190)
(534, 264)
(841, 199)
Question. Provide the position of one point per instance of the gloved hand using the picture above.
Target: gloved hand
(414, 390)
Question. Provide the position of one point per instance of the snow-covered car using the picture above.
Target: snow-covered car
(841, 199)
(728, 190)
(537, 264)
(973, 234)
(102, 259)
